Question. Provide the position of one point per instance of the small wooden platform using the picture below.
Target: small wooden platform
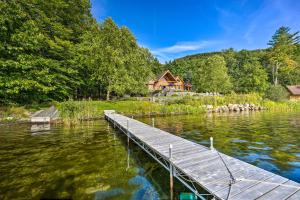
(44, 116)
(222, 176)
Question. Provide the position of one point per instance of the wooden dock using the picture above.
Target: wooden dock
(197, 166)
(44, 116)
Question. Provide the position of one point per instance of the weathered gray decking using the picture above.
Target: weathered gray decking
(205, 166)
(44, 115)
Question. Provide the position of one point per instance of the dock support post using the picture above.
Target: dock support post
(211, 143)
(171, 172)
(114, 121)
(128, 158)
(128, 132)
(152, 122)
(128, 150)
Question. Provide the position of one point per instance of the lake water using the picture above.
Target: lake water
(92, 161)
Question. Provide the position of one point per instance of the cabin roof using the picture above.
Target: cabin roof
(178, 78)
(294, 89)
(164, 73)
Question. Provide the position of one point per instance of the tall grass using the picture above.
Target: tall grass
(72, 112)
(13, 113)
(281, 106)
(233, 98)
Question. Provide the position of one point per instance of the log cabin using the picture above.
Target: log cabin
(294, 92)
(167, 81)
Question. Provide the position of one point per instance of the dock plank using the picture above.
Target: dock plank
(295, 196)
(281, 191)
(260, 189)
(206, 167)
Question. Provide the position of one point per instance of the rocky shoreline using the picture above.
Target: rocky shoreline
(234, 108)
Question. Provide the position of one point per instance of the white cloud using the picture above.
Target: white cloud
(184, 46)
(176, 50)
(269, 17)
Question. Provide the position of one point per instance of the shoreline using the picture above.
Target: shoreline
(73, 112)
(61, 121)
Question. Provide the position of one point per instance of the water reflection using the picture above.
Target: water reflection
(146, 190)
(267, 140)
(39, 128)
(93, 161)
(89, 161)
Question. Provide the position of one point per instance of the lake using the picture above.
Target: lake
(93, 161)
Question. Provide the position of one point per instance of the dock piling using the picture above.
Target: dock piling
(127, 131)
(114, 122)
(152, 122)
(211, 143)
(197, 166)
(171, 172)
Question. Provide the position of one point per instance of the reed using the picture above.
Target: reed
(72, 112)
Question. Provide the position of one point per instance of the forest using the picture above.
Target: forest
(245, 71)
(55, 50)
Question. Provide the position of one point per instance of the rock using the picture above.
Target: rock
(224, 109)
(209, 107)
(9, 118)
(233, 108)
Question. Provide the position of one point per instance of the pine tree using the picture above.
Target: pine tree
(283, 44)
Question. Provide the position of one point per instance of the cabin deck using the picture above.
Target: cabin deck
(222, 176)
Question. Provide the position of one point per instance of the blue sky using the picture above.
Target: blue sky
(175, 28)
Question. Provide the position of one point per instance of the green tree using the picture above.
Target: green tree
(183, 68)
(293, 77)
(283, 45)
(230, 56)
(250, 75)
(115, 61)
(35, 42)
(277, 93)
(211, 75)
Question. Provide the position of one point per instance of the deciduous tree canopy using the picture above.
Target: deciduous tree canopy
(249, 71)
(55, 50)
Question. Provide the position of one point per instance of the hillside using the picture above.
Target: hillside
(241, 71)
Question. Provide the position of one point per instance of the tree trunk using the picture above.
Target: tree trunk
(107, 94)
(276, 74)
(276, 81)
(273, 74)
(99, 92)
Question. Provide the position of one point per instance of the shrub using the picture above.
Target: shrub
(276, 93)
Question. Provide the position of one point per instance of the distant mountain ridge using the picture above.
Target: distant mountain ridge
(207, 54)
